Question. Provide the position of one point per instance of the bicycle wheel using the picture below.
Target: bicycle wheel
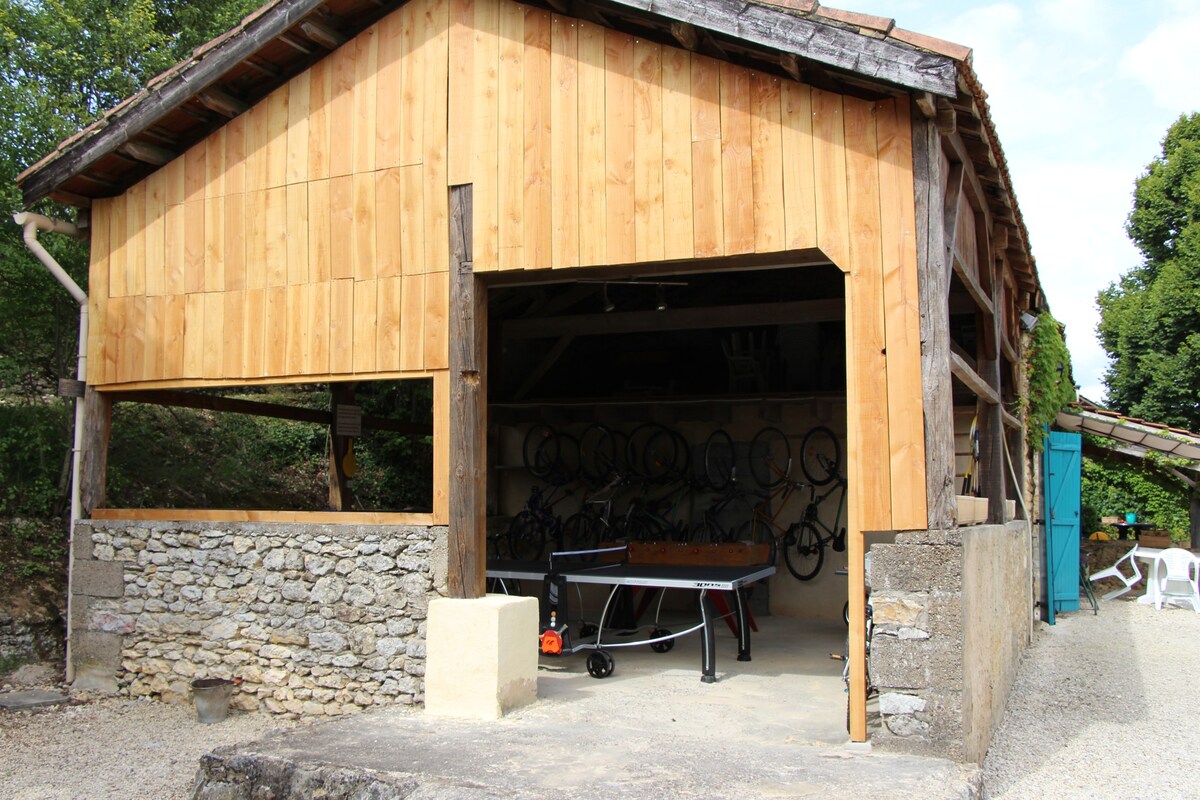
(761, 532)
(597, 455)
(526, 539)
(566, 466)
(820, 456)
(718, 460)
(660, 455)
(805, 557)
(770, 458)
(581, 531)
(635, 447)
(539, 451)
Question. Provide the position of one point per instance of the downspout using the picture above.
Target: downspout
(32, 223)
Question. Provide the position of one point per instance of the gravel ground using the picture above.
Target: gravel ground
(1103, 706)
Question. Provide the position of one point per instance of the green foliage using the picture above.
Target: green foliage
(1150, 318)
(32, 549)
(1051, 386)
(1111, 487)
(34, 446)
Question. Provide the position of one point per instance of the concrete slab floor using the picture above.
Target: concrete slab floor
(773, 727)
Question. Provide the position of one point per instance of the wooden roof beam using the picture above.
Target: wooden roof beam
(148, 153)
(971, 379)
(222, 102)
(322, 34)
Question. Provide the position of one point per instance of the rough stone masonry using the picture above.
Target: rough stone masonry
(313, 619)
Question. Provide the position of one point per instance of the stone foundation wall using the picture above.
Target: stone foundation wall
(313, 619)
(953, 614)
(23, 641)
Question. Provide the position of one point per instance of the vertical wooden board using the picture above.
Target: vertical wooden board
(707, 209)
(366, 64)
(413, 235)
(254, 327)
(412, 319)
(437, 310)
(297, 321)
(366, 306)
(829, 160)
(341, 326)
(648, 151)
(869, 345)
(276, 339)
(297, 233)
(706, 98)
(316, 352)
(116, 318)
(193, 245)
(387, 334)
(766, 151)
(619, 147)
(485, 114)
(118, 237)
(213, 357)
(799, 183)
(341, 226)
(133, 341)
(156, 229)
(319, 244)
(299, 94)
(320, 101)
(412, 84)
(235, 155)
(677, 154)
(173, 333)
(564, 141)
(193, 336)
(256, 147)
(364, 226)
(195, 171)
(152, 353)
(233, 338)
(387, 222)
(135, 240)
(510, 179)
(256, 239)
(593, 213)
(176, 237)
(98, 307)
(235, 242)
(436, 50)
(537, 227)
(460, 78)
(737, 172)
(275, 216)
(214, 184)
(214, 244)
(341, 110)
(902, 315)
(173, 174)
(387, 90)
(441, 447)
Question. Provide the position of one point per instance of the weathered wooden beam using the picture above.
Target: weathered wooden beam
(93, 458)
(972, 380)
(956, 151)
(947, 120)
(687, 35)
(295, 44)
(322, 34)
(148, 153)
(1010, 421)
(882, 59)
(926, 104)
(954, 185)
(222, 103)
(467, 539)
(340, 498)
(932, 291)
(999, 239)
(676, 319)
(791, 65)
(973, 288)
(991, 419)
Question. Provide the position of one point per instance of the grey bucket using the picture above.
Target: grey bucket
(212, 698)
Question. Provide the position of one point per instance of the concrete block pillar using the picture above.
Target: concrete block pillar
(480, 656)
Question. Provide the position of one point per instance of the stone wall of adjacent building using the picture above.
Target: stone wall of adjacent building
(953, 613)
(311, 619)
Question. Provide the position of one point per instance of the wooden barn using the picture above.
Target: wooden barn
(702, 214)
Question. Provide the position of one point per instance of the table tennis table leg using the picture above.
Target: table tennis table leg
(743, 631)
(708, 647)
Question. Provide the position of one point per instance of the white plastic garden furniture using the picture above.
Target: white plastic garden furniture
(1178, 577)
(1115, 572)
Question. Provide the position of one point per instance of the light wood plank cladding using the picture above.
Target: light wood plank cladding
(318, 220)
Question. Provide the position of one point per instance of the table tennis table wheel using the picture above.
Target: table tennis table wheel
(663, 646)
(599, 664)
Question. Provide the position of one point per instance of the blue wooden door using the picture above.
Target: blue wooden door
(1062, 465)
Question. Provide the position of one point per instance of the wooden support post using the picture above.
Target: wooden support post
(467, 546)
(339, 488)
(934, 286)
(991, 417)
(93, 464)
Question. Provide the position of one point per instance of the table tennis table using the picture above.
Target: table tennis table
(554, 608)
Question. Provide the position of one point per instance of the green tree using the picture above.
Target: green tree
(1150, 318)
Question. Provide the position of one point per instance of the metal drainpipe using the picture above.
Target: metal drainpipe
(32, 223)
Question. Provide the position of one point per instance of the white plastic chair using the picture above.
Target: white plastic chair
(1179, 577)
(1115, 572)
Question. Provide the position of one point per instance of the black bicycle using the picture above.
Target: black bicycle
(804, 544)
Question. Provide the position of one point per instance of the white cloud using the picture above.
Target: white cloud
(1167, 62)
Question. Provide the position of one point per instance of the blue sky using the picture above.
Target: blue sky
(1082, 92)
